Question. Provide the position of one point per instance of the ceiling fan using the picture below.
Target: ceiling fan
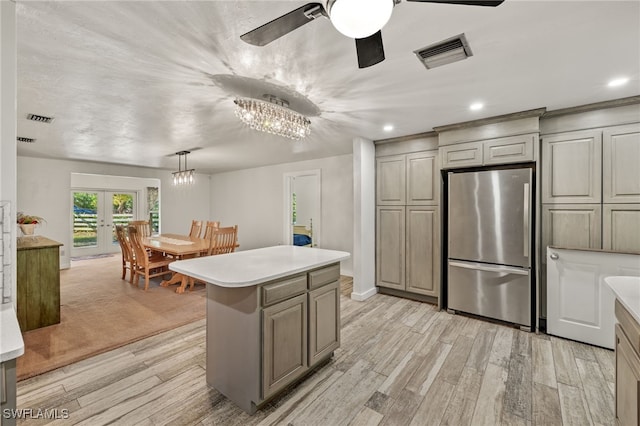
(361, 20)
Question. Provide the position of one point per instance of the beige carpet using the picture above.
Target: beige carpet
(99, 312)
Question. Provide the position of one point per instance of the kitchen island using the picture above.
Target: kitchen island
(273, 315)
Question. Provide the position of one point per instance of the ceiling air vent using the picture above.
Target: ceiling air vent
(40, 118)
(27, 140)
(444, 52)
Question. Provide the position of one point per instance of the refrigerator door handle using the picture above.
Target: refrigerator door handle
(487, 268)
(525, 220)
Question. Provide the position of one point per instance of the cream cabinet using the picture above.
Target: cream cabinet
(324, 321)
(572, 167)
(284, 344)
(408, 249)
(391, 180)
(627, 368)
(621, 164)
(408, 179)
(507, 150)
(390, 244)
(621, 227)
(513, 149)
(571, 225)
(422, 251)
(461, 155)
(423, 180)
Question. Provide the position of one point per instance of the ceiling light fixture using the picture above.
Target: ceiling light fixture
(618, 82)
(272, 116)
(359, 18)
(388, 128)
(476, 107)
(186, 176)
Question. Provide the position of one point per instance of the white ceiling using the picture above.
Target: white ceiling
(134, 82)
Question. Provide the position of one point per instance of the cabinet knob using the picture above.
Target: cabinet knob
(554, 256)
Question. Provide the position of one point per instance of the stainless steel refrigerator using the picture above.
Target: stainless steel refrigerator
(489, 244)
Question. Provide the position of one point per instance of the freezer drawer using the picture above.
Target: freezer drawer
(493, 291)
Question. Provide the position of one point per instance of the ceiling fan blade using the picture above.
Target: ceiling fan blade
(492, 3)
(370, 50)
(275, 29)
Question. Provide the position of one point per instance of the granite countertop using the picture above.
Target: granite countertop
(35, 241)
(251, 267)
(11, 343)
(594, 250)
(627, 291)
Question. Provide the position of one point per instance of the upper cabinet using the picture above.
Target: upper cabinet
(621, 164)
(571, 167)
(408, 179)
(512, 149)
(391, 177)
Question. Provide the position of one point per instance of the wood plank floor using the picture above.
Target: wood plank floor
(401, 363)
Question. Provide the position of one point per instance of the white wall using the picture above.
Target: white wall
(254, 199)
(44, 189)
(8, 56)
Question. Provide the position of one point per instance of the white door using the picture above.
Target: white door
(580, 305)
(94, 216)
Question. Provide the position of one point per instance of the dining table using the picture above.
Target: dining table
(180, 247)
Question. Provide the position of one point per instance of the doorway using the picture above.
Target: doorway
(302, 208)
(94, 215)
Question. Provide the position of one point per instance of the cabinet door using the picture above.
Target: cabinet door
(284, 351)
(324, 321)
(391, 180)
(572, 167)
(514, 149)
(621, 227)
(571, 226)
(621, 157)
(390, 245)
(423, 179)
(627, 381)
(423, 251)
(461, 155)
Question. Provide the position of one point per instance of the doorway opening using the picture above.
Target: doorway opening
(302, 208)
(95, 215)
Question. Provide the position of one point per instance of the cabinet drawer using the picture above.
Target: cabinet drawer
(461, 155)
(282, 290)
(629, 326)
(323, 276)
(509, 150)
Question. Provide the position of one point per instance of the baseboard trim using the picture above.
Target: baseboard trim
(364, 296)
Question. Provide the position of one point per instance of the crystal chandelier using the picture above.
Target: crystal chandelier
(272, 116)
(182, 177)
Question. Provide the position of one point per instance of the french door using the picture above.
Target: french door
(94, 216)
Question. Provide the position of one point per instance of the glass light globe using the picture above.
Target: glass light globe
(360, 18)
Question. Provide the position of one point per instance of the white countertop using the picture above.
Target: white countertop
(627, 291)
(11, 343)
(251, 267)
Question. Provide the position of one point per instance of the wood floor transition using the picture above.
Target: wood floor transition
(401, 363)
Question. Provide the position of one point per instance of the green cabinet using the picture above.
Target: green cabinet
(38, 282)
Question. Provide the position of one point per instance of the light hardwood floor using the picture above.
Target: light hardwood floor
(401, 363)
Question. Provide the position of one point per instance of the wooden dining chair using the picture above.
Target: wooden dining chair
(128, 258)
(142, 226)
(196, 227)
(145, 265)
(223, 240)
(209, 228)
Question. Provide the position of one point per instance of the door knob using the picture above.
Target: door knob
(554, 256)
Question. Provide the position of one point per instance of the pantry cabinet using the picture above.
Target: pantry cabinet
(422, 250)
(571, 226)
(621, 227)
(572, 167)
(621, 164)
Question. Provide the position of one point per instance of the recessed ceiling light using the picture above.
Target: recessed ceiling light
(618, 82)
(477, 106)
(388, 128)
